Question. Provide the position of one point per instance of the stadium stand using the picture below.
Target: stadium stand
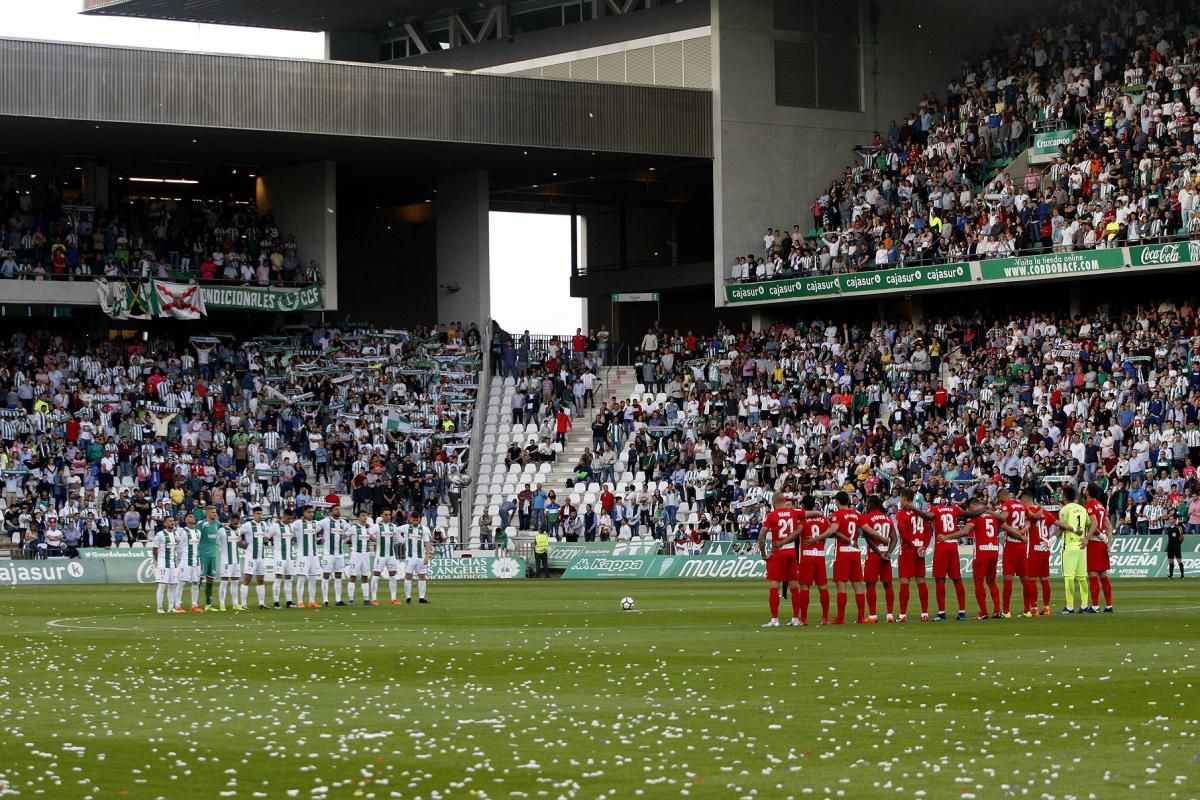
(101, 441)
(950, 407)
(46, 237)
(950, 182)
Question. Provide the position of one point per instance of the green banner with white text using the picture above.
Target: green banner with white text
(1046, 144)
(1052, 264)
(249, 298)
(930, 277)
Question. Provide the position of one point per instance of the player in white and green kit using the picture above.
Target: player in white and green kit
(385, 556)
(258, 534)
(361, 535)
(191, 561)
(415, 541)
(305, 532)
(229, 549)
(285, 558)
(333, 562)
(166, 557)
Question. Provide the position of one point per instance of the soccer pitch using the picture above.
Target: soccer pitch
(547, 689)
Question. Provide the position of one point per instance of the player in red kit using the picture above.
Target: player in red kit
(985, 529)
(881, 532)
(914, 542)
(1014, 521)
(846, 524)
(812, 560)
(1037, 557)
(775, 544)
(943, 521)
(1099, 539)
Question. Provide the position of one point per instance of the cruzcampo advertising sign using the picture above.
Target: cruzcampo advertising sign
(886, 280)
(1045, 145)
(249, 298)
(1165, 255)
(1047, 265)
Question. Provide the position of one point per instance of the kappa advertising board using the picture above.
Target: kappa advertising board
(563, 553)
(1131, 557)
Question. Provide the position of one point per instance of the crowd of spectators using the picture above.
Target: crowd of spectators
(44, 238)
(101, 440)
(950, 407)
(931, 188)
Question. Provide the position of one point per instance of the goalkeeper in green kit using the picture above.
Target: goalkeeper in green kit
(208, 552)
(1073, 521)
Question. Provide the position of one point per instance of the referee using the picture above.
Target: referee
(1073, 520)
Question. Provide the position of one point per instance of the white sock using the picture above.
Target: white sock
(392, 585)
(299, 592)
(408, 588)
(312, 589)
(178, 592)
(244, 593)
(162, 590)
(195, 595)
(222, 588)
(337, 589)
(287, 590)
(352, 587)
(324, 590)
(421, 587)
(276, 588)
(374, 586)
(262, 593)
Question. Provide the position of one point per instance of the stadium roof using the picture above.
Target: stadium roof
(295, 15)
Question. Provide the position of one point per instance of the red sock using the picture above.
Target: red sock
(961, 592)
(824, 605)
(841, 606)
(1029, 593)
(795, 595)
(804, 605)
(891, 597)
(980, 597)
(860, 601)
(1106, 584)
(994, 591)
(1094, 585)
(1008, 586)
(941, 597)
(923, 593)
(904, 599)
(871, 604)
(774, 604)
(1045, 593)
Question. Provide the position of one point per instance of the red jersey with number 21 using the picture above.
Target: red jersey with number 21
(780, 524)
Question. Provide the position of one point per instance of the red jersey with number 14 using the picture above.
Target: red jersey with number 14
(914, 534)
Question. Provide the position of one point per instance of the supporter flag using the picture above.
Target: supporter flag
(397, 423)
(178, 300)
(124, 299)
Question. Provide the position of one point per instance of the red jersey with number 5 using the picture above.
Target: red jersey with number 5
(987, 534)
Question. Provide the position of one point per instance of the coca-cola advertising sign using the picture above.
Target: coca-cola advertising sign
(1155, 255)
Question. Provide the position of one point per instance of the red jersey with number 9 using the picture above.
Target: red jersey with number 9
(848, 521)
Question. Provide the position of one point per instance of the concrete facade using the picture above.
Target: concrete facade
(771, 162)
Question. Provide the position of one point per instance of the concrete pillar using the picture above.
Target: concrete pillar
(303, 199)
(463, 259)
(95, 184)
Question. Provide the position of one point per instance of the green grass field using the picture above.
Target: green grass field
(547, 689)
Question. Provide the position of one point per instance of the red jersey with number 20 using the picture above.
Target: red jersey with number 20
(883, 526)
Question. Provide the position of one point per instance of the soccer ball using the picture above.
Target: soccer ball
(627, 603)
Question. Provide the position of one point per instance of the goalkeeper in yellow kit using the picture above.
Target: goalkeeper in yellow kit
(1073, 521)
